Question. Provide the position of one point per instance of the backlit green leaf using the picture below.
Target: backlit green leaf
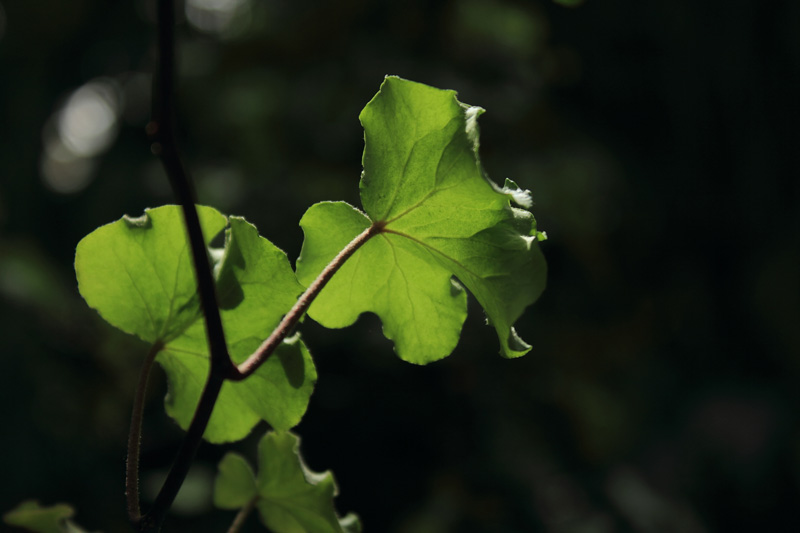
(422, 311)
(138, 274)
(292, 498)
(441, 217)
(257, 287)
(277, 392)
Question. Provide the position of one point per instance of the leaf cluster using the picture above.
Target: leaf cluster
(432, 227)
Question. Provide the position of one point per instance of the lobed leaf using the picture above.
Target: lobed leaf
(421, 309)
(290, 497)
(423, 184)
(137, 273)
(257, 287)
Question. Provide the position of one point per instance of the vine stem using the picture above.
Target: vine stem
(221, 368)
(208, 398)
(162, 130)
(135, 436)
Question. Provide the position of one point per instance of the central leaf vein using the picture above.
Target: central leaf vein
(149, 261)
(402, 179)
(174, 288)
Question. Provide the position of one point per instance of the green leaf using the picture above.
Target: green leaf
(257, 287)
(33, 516)
(277, 392)
(422, 311)
(138, 274)
(292, 498)
(235, 485)
(440, 216)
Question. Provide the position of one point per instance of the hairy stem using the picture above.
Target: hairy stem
(294, 315)
(242, 515)
(135, 436)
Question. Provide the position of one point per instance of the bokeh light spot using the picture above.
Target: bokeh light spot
(83, 128)
(87, 123)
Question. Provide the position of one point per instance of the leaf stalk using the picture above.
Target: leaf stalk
(294, 315)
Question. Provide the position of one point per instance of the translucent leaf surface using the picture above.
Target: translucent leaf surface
(33, 516)
(440, 217)
(291, 498)
(257, 287)
(138, 275)
(137, 272)
(422, 311)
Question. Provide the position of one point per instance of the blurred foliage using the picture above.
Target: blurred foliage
(32, 516)
(661, 393)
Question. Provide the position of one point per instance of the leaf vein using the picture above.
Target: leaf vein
(420, 202)
(153, 322)
(433, 249)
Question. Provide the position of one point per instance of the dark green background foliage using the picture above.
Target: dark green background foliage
(662, 389)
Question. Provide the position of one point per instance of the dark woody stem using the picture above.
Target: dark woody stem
(161, 130)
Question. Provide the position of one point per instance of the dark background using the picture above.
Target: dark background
(659, 140)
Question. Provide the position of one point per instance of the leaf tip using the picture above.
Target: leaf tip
(516, 347)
